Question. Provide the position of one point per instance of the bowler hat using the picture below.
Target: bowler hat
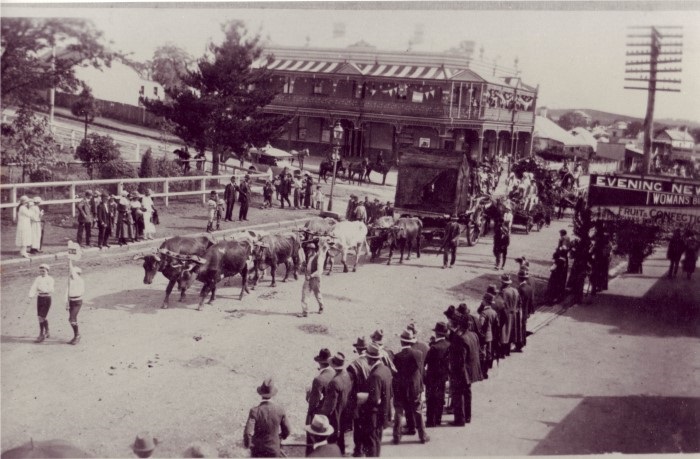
(267, 389)
(324, 356)
(413, 328)
(377, 336)
(360, 344)
(407, 336)
(523, 274)
(488, 298)
(462, 308)
(338, 361)
(440, 329)
(144, 442)
(492, 289)
(373, 352)
(319, 426)
(505, 279)
(450, 312)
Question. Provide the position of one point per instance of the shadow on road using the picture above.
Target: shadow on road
(630, 425)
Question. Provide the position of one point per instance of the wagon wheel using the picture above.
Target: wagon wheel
(472, 234)
(529, 224)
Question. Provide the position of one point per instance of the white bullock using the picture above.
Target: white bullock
(346, 236)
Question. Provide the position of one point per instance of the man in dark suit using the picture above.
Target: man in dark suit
(230, 193)
(419, 345)
(335, 401)
(359, 372)
(104, 222)
(488, 324)
(460, 384)
(473, 363)
(376, 410)
(527, 301)
(511, 301)
(85, 217)
(408, 387)
(243, 197)
(450, 242)
(317, 392)
(437, 369)
(267, 424)
(318, 431)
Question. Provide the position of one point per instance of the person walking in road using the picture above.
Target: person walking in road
(230, 194)
(42, 288)
(501, 241)
(437, 368)
(312, 276)
(243, 198)
(85, 217)
(320, 431)
(375, 412)
(691, 254)
(267, 424)
(104, 222)
(317, 392)
(335, 401)
(76, 290)
(450, 241)
(359, 372)
(285, 189)
(23, 238)
(408, 388)
(676, 247)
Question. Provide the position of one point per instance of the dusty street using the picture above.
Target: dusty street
(190, 376)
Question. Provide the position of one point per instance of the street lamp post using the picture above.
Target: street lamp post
(337, 137)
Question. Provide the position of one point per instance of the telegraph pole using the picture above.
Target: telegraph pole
(647, 70)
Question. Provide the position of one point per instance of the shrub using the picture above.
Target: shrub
(42, 174)
(96, 150)
(167, 168)
(116, 169)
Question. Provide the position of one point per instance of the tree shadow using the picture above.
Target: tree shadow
(633, 424)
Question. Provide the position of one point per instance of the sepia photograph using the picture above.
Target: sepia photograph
(349, 228)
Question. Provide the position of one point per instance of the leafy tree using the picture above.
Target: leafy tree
(86, 107)
(218, 106)
(167, 168)
(633, 128)
(169, 65)
(117, 168)
(27, 65)
(95, 150)
(148, 166)
(570, 120)
(28, 142)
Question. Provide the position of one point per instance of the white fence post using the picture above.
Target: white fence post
(13, 200)
(204, 191)
(72, 196)
(120, 188)
(166, 190)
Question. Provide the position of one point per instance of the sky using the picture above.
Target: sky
(576, 57)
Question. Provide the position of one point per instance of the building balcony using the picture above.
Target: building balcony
(433, 110)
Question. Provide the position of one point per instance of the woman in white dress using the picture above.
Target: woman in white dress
(149, 227)
(23, 239)
(36, 221)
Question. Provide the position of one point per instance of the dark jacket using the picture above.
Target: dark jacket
(458, 354)
(452, 231)
(527, 298)
(318, 391)
(267, 423)
(380, 393)
(331, 450)
(243, 191)
(408, 382)
(473, 360)
(676, 247)
(230, 193)
(335, 400)
(488, 323)
(104, 215)
(437, 362)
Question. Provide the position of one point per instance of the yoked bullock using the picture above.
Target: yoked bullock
(405, 234)
(274, 249)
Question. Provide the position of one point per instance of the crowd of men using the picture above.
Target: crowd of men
(381, 388)
(367, 211)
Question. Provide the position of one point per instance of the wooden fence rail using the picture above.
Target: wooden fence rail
(201, 180)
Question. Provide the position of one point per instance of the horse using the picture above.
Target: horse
(326, 167)
(382, 168)
(355, 169)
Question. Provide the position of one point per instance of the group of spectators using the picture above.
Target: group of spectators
(301, 190)
(30, 226)
(685, 246)
(381, 388)
(367, 211)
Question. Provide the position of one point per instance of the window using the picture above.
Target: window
(318, 87)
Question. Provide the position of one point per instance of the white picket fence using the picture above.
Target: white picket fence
(74, 198)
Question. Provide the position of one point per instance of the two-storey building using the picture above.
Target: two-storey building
(388, 101)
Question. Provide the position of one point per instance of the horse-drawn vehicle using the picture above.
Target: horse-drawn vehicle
(434, 185)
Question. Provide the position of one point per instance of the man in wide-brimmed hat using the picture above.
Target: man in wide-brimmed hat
(335, 401)
(359, 372)
(377, 338)
(375, 412)
(144, 445)
(511, 302)
(319, 384)
(460, 384)
(450, 242)
(267, 424)
(319, 431)
(408, 388)
(437, 367)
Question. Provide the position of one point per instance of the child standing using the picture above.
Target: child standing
(318, 198)
(212, 205)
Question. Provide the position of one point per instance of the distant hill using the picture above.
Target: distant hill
(607, 118)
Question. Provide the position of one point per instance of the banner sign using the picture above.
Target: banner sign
(664, 217)
(661, 192)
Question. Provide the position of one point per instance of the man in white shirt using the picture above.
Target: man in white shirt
(76, 290)
(42, 288)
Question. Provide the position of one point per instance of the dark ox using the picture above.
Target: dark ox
(405, 234)
(223, 259)
(274, 249)
(379, 234)
(164, 261)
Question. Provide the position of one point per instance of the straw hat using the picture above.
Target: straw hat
(23, 199)
(143, 443)
(320, 425)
